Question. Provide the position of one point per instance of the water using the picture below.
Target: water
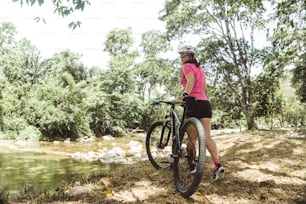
(41, 171)
(49, 166)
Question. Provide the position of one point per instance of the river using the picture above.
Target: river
(45, 166)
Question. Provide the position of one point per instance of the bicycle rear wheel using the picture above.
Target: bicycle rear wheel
(187, 182)
(159, 144)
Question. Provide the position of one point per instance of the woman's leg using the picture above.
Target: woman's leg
(218, 172)
(192, 140)
(210, 143)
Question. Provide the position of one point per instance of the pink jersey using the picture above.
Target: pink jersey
(198, 90)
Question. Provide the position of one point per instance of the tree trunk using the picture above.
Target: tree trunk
(251, 124)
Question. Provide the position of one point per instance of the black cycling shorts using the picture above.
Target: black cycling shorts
(199, 109)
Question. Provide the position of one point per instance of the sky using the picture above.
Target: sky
(98, 19)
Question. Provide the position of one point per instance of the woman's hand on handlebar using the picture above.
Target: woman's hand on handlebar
(181, 97)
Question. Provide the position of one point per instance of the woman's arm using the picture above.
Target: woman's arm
(190, 82)
(204, 86)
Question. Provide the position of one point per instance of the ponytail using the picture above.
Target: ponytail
(194, 61)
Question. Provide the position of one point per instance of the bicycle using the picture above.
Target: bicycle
(169, 145)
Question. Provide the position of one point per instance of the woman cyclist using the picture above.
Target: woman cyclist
(193, 81)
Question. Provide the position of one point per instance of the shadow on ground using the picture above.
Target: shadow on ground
(261, 167)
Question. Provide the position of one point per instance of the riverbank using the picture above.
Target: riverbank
(106, 149)
(33, 166)
(261, 167)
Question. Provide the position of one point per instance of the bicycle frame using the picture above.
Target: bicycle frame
(175, 120)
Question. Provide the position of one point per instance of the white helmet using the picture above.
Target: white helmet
(187, 49)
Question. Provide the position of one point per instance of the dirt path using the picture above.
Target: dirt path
(261, 167)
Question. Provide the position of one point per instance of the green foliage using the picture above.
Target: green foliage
(12, 105)
(203, 16)
(226, 110)
(13, 126)
(288, 39)
(62, 8)
(65, 61)
(293, 112)
(7, 35)
(268, 103)
(21, 64)
(154, 72)
(120, 77)
(60, 98)
(114, 113)
(153, 43)
(67, 99)
(30, 133)
(46, 95)
(228, 52)
(54, 110)
(119, 41)
(299, 77)
(59, 111)
(2, 85)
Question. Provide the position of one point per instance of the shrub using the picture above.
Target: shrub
(30, 133)
(13, 126)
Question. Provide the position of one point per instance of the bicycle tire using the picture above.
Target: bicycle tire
(159, 144)
(186, 183)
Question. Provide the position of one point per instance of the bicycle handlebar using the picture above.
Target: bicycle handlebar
(186, 99)
(158, 101)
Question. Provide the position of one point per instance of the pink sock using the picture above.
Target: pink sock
(216, 162)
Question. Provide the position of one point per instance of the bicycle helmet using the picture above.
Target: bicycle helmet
(187, 49)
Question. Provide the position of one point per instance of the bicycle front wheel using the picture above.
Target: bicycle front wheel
(159, 144)
(189, 159)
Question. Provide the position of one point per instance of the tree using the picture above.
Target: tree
(293, 112)
(227, 29)
(1, 108)
(57, 108)
(7, 36)
(20, 60)
(22, 63)
(120, 76)
(62, 8)
(153, 70)
(227, 112)
(299, 78)
(289, 40)
(66, 61)
(268, 103)
(116, 106)
(40, 97)
(154, 43)
(119, 41)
